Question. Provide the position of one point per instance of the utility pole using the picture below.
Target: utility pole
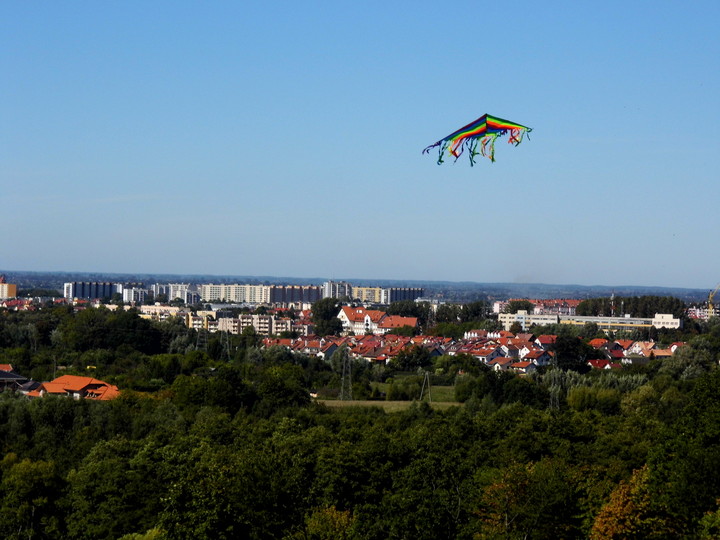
(346, 383)
(426, 384)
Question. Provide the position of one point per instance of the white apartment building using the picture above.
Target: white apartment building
(134, 295)
(336, 289)
(252, 294)
(526, 320)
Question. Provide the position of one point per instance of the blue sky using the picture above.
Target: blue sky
(285, 138)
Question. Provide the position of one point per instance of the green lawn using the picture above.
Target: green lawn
(437, 393)
(387, 406)
(441, 398)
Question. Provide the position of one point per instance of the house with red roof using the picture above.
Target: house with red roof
(539, 357)
(79, 387)
(675, 346)
(392, 322)
(598, 343)
(523, 367)
(486, 354)
(501, 363)
(546, 341)
(9, 379)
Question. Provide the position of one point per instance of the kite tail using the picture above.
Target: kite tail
(487, 147)
(517, 134)
(472, 150)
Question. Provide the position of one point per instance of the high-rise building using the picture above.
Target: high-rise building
(397, 294)
(368, 294)
(287, 294)
(336, 289)
(253, 294)
(91, 289)
(7, 290)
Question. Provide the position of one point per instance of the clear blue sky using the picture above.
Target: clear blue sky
(285, 138)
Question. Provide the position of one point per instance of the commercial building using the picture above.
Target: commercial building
(526, 320)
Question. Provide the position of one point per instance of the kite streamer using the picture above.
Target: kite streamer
(482, 132)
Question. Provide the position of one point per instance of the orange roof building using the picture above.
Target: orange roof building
(80, 387)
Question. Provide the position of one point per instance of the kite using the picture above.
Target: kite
(482, 131)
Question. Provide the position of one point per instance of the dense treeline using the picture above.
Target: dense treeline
(103, 470)
(223, 441)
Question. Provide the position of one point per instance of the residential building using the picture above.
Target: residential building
(289, 294)
(7, 290)
(90, 289)
(252, 294)
(371, 295)
(134, 295)
(526, 320)
(397, 294)
(77, 388)
(336, 289)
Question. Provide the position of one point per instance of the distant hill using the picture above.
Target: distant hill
(450, 291)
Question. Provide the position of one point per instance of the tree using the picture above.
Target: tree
(324, 317)
(28, 504)
(412, 358)
(571, 353)
(447, 313)
(474, 311)
(516, 305)
(516, 327)
(409, 308)
(328, 523)
(630, 514)
(534, 500)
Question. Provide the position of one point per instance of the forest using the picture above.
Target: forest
(226, 442)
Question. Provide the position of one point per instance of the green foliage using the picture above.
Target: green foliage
(410, 308)
(637, 306)
(517, 305)
(324, 317)
(29, 496)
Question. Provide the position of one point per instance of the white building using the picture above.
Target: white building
(336, 289)
(252, 294)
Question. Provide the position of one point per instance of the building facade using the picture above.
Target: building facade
(336, 289)
(398, 294)
(526, 320)
(91, 289)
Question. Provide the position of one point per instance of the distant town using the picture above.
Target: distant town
(282, 315)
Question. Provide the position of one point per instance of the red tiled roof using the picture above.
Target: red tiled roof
(94, 388)
(396, 321)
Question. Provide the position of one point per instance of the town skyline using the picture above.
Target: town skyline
(464, 291)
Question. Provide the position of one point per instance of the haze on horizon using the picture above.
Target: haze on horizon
(254, 139)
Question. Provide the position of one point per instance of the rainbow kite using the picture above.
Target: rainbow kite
(482, 131)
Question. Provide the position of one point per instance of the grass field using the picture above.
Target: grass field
(441, 398)
(437, 393)
(387, 406)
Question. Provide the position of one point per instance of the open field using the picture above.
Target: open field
(387, 406)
